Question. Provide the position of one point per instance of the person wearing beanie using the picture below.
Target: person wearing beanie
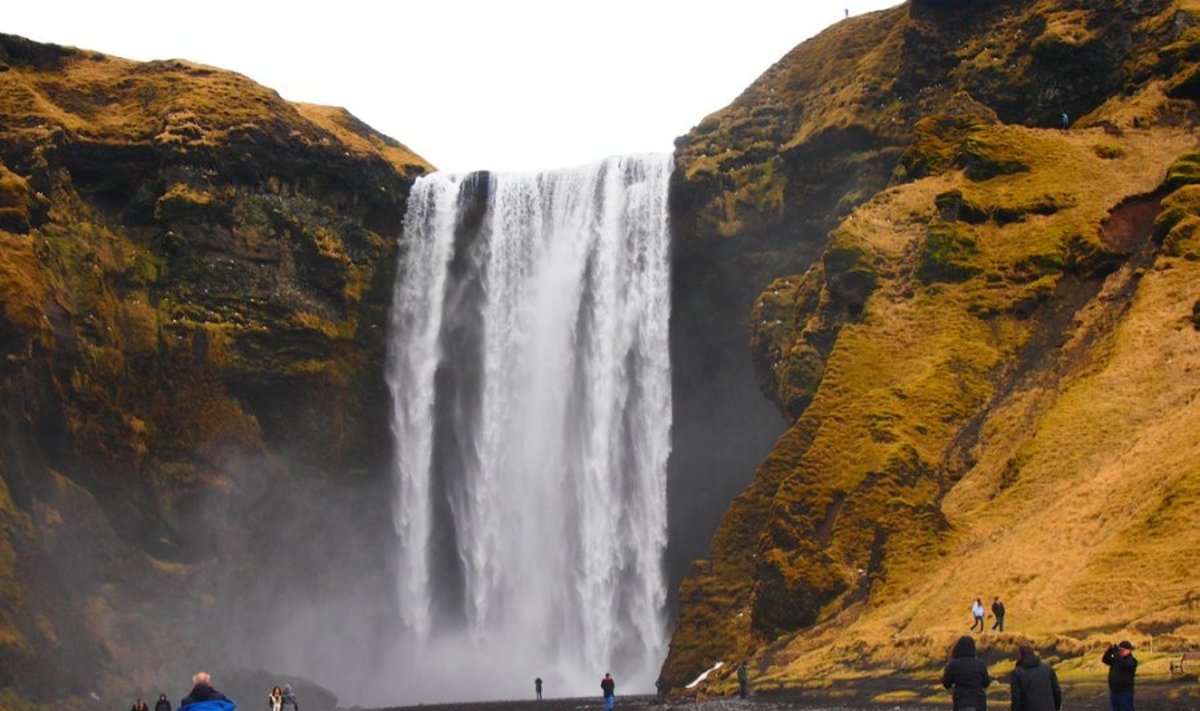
(1122, 666)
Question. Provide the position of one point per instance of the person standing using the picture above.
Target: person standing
(289, 697)
(202, 692)
(609, 687)
(968, 675)
(743, 677)
(139, 705)
(275, 700)
(1122, 666)
(977, 614)
(1034, 685)
(163, 704)
(998, 613)
(537, 686)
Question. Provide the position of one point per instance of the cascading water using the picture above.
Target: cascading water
(530, 380)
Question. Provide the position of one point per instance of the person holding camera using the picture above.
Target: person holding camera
(1122, 666)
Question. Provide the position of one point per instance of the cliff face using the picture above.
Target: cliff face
(981, 332)
(194, 280)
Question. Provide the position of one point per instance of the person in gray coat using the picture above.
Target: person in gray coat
(1034, 684)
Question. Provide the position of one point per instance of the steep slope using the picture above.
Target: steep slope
(988, 365)
(194, 279)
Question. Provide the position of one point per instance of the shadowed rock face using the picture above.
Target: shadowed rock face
(194, 278)
(940, 300)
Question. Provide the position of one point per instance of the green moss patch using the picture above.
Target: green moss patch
(948, 254)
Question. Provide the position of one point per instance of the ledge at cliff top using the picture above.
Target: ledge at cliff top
(980, 323)
(194, 283)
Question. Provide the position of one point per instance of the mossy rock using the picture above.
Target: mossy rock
(1088, 258)
(21, 208)
(984, 159)
(798, 374)
(953, 206)
(182, 201)
(937, 139)
(1186, 85)
(792, 589)
(947, 254)
(1177, 207)
(1184, 239)
(850, 273)
(1185, 170)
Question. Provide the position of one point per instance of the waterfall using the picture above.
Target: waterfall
(530, 382)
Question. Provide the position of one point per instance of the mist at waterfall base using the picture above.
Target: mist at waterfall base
(530, 377)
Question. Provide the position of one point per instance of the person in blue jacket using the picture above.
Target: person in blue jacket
(204, 697)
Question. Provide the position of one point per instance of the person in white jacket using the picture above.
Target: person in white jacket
(977, 613)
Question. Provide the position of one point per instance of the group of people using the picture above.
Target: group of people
(203, 697)
(161, 705)
(977, 613)
(1033, 683)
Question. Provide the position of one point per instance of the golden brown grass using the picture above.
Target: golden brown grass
(1074, 503)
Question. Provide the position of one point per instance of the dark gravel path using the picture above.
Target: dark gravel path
(1150, 697)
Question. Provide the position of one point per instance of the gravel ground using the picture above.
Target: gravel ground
(1150, 697)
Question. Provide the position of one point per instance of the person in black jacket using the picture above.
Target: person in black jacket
(202, 690)
(163, 704)
(1034, 684)
(609, 687)
(1121, 668)
(998, 613)
(968, 675)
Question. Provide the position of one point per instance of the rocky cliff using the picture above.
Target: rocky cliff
(977, 221)
(194, 281)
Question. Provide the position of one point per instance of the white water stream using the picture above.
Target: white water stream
(530, 379)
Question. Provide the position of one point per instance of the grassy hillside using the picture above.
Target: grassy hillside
(989, 368)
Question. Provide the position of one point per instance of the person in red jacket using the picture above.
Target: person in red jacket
(609, 687)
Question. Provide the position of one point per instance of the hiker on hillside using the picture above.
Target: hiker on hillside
(1122, 666)
(289, 697)
(204, 697)
(998, 613)
(743, 681)
(537, 686)
(1034, 684)
(275, 700)
(609, 687)
(163, 704)
(139, 705)
(977, 613)
(968, 675)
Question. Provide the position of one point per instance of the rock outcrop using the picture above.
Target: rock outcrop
(979, 326)
(194, 282)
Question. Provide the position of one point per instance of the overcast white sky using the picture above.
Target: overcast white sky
(470, 84)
